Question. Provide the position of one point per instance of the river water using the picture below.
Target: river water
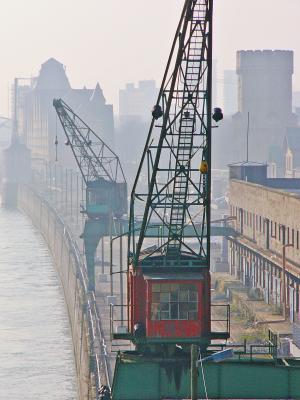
(36, 356)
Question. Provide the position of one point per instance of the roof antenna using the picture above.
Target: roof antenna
(248, 128)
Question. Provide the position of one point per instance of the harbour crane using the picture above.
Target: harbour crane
(168, 300)
(169, 283)
(106, 187)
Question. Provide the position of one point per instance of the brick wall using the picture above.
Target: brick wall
(266, 210)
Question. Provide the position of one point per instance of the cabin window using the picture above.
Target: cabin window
(174, 302)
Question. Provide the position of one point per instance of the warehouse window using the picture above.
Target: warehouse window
(297, 236)
(259, 224)
(279, 232)
(174, 302)
(271, 228)
(293, 237)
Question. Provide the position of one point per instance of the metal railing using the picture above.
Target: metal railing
(118, 322)
(269, 348)
(99, 346)
(223, 320)
(249, 351)
(98, 354)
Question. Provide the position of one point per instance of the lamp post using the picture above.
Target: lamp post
(194, 372)
(284, 278)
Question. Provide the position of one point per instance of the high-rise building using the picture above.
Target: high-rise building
(230, 92)
(5, 132)
(38, 118)
(296, 104)
(296, 99)
(137, 102)
(215, 94)
(265, 99)
(135, 106)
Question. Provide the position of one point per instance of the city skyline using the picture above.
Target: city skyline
(99, 35)
(150, 199)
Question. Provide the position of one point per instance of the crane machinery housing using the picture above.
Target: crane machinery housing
(106, 187)
(168, 299)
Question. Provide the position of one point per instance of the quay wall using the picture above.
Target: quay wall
(67, 264)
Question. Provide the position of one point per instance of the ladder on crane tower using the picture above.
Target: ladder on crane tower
(189, 98)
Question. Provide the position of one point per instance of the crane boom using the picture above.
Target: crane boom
(176, 159)
(95, 159)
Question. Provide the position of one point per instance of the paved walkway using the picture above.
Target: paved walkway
(257, 310)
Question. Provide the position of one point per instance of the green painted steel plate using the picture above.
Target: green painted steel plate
(139, 378)
(154, 231)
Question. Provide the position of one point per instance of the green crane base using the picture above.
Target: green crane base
(93, 231)
(144, 378)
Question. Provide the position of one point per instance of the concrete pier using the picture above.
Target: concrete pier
(69, 267)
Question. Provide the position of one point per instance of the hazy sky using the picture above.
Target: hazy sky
(117, 41)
